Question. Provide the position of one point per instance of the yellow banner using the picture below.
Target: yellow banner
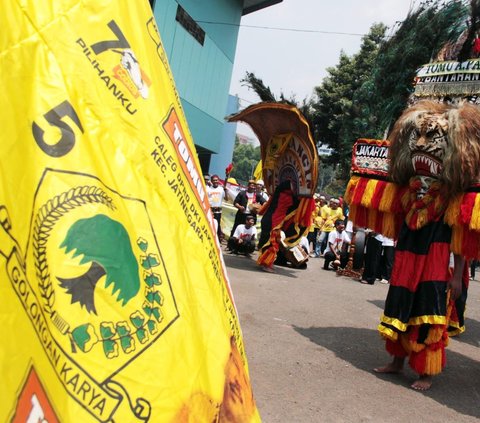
(115, 301)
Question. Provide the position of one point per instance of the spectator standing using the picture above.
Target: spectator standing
(316, 220)
(324, 209)
(216, 195)
(336, 250)
(247, 202)
(473, 266)
(244, 238)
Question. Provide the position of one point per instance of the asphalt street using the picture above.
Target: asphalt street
(311, 343)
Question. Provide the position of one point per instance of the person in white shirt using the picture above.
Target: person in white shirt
(244, 238)
(216, 194)
(337, 244)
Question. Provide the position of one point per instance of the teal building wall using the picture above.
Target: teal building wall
(202, 72)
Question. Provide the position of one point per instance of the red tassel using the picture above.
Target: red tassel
(349, 192)
(397, 206)
(269, 250)
(466, 208)
(377, 195)
(418, 361)
(359, 190)
(470, 243)
(379, 222)
(360, 214)
(304, 212)
(395, 348)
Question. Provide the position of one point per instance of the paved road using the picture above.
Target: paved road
(311, 342)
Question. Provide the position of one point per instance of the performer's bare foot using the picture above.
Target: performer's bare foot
(268, 269)
(423, 383)
(395, 367)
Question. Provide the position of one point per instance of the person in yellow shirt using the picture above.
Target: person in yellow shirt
(317, 222)
(329, 215)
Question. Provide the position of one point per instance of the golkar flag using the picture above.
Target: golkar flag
(115, 304)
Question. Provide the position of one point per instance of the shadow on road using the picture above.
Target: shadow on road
(471, 335)
(249, 264)
(455, 388)
(378, 303)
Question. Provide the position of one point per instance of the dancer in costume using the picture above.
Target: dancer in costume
(427, 194)
(289, 169)
(416, 316)
(277, 217)
(434, 156)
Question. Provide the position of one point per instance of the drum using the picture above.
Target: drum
(295, 255)
(359, 242)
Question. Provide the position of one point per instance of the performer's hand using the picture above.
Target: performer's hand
(455, 282)
(455, 286)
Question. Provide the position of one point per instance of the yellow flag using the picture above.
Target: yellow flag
(114, 297)
(257, 173)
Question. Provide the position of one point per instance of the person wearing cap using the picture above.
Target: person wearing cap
(247, 201)
(260, 187)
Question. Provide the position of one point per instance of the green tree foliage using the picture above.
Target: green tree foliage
(257, 85)
(417, 41)
(245, 159)
(337, 112)
(365, 93)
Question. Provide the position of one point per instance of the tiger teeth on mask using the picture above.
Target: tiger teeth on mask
(431, 164)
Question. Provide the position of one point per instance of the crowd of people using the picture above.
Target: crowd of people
(329, 236)
(243, 234)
